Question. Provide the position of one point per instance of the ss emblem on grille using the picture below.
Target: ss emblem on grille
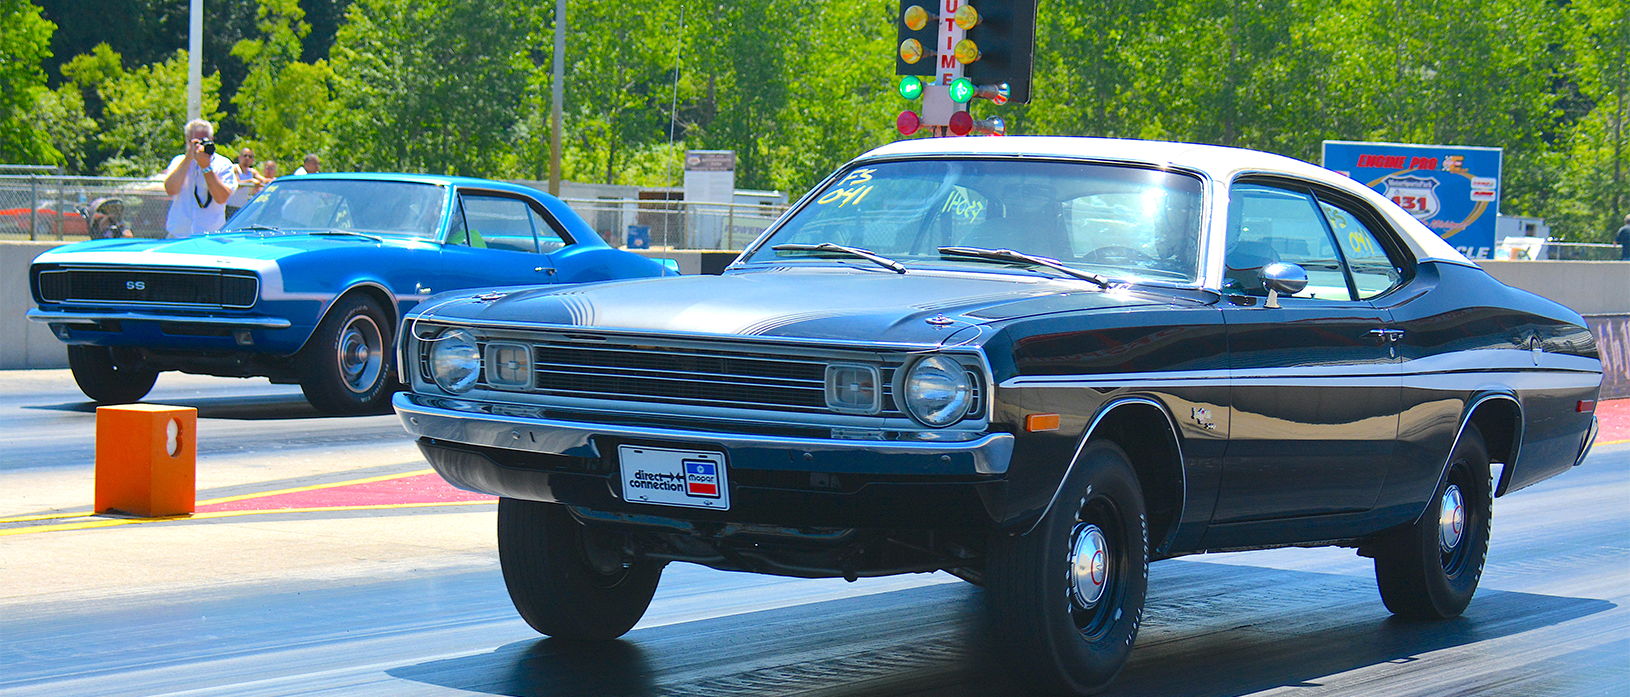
(135, 285)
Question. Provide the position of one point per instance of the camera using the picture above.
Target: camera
(207, 145)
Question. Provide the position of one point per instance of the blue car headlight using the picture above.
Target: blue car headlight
(455, 361)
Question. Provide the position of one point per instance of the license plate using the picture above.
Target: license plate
(669, 477)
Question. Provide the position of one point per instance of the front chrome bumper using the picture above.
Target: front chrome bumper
(58, 317)
(488, 425)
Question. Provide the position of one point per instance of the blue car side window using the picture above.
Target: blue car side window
(549, 239)
(499, 222)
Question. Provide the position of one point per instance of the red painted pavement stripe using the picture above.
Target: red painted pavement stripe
(419, 489)
(1614, 418)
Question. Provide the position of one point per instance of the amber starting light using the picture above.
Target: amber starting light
(916, 17)
(911, 51)
(967, 17)
(966, 51)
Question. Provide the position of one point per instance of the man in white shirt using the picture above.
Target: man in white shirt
(312, 165)
(200, 183)
(249, 181)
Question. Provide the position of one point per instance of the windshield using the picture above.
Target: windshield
(345, 205)
(1121, 222)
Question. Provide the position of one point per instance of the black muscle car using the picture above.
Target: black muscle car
(1035, 363)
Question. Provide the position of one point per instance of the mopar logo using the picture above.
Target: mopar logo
(135, 285)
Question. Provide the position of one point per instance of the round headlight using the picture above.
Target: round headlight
(455, 361)
(937, 391)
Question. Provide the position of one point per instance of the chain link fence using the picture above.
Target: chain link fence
(43, 205)
(49, 206)
(666, 224)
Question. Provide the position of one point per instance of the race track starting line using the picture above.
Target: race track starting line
(417, 489)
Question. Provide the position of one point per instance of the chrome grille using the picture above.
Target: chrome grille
(137, 286)
(680, 376)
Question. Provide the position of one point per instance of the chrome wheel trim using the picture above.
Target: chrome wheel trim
(361, 355)
(1451, 519)
(1089, 565)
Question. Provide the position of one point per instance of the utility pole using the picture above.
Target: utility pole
(195, 60)
(557, 88)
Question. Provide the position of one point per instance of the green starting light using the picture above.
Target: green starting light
(911, 87)
(962, 90)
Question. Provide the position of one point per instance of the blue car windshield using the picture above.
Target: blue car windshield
(404, 209)
(1118, 221)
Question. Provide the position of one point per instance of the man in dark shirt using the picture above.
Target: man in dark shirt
(1624, 240)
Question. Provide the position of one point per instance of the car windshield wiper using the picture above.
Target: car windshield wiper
(347, 233)
(1009, 255)
(882, 261)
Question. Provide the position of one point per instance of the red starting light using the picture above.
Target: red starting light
(993, 126)
(908, 122)
(961, 123)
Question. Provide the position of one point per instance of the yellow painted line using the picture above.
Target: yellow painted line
(314, 487)
(49, 516)
(230, 514)
(1616, 442)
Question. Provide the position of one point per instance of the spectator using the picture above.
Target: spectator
(311, 166)
(248, 182)
(200, 181)
(268, 172)
(1624, 240)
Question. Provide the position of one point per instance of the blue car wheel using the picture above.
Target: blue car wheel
(346, 366)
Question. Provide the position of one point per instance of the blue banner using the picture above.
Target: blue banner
(1453, 189)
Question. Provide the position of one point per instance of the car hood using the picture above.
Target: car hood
(813, 303)
(213, 251)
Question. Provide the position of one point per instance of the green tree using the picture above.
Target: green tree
(285, 105)
(144, 114)
(25, 39)
(431, 86)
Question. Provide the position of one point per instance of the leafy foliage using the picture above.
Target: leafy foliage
(797, 88)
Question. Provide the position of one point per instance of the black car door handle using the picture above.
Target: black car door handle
(1391, 336)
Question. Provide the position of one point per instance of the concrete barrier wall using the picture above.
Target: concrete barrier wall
(1597, 288)
(1589, 287)
(24, 344)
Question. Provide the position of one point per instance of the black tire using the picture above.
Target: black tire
(1048, 631)
(347, 365)
(108, 379)
(1429, 570)
(566, 580)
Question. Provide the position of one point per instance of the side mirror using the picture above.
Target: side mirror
(1280, 277)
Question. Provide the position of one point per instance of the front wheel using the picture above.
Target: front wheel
(345, 367)
(567, 580)
(1066, 599)
(107, 379)
(1430, 569)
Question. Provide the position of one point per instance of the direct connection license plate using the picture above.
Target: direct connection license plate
(694, 478)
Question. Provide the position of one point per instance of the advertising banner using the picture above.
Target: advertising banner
(1453, 189)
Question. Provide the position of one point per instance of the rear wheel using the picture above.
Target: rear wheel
(1430, 569)
(345, 367)
(1066, 599)
(108, 378)
(567, 580)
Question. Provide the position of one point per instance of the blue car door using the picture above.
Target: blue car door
(491, 242)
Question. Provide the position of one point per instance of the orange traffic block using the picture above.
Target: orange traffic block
(146, 459)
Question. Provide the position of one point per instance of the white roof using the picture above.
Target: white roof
(1221, 164)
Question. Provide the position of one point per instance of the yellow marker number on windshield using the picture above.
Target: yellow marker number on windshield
(844, 197)
(959, 205)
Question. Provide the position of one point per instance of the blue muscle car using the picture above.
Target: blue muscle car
(308, 282)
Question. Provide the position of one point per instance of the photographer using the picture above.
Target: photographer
(200, 182)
